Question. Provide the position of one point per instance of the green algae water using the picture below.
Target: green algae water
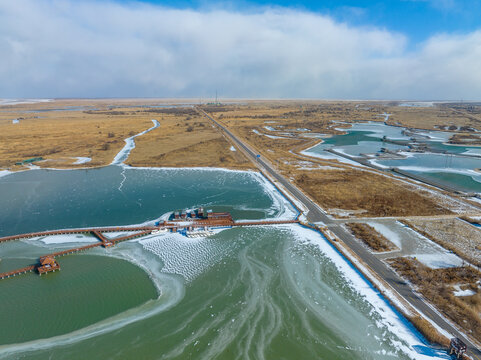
(245, 293)
(97, 287)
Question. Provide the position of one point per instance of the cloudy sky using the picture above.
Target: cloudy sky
(345, 49)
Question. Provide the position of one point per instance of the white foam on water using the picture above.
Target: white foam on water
(397, 325)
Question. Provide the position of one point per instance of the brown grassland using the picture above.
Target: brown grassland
(185, 138)
(377, 195)
(447, 116)
(436, 285)
(349, 188)
(371, 237)
(98, 128)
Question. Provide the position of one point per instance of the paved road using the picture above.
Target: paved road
(315, 215)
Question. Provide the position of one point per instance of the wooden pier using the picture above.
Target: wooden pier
(48, 263)
(17, 272)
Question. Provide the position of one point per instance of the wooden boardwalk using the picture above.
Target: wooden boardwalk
(17, 272)
(76, 231)
(134, 232)
(106, 242)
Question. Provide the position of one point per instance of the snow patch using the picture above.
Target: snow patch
(22, 101)
(440, 260)
(459, 292)
(65, 238)
(82, 160)
(329, 156)
(130, 145)
(387, 233)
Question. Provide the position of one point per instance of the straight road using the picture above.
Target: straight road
(315, 215)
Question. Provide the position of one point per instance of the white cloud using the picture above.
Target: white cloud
(87, 49)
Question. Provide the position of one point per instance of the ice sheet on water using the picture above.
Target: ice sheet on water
(188, 257)
(413, 345)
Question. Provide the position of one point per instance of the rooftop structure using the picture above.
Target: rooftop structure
(47, 264)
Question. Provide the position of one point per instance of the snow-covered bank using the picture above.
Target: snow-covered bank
(413, 345)
(5, 173)
(281, 206)
(130, 145)
(329, 156)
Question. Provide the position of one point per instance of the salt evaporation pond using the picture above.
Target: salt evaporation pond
(244, 293)
(452, 169)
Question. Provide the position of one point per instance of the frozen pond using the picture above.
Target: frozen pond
(454, 168)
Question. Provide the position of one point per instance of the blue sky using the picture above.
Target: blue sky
(418, 19)
(405, 49)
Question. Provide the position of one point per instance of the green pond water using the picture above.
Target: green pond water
(245, 293)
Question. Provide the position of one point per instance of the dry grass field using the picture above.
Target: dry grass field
(61, 130)
(448, 117)
(185, 138)
(277, 130)
(374, 194)
(437, 286)
(59, 136)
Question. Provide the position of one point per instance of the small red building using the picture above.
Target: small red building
(47, 264)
